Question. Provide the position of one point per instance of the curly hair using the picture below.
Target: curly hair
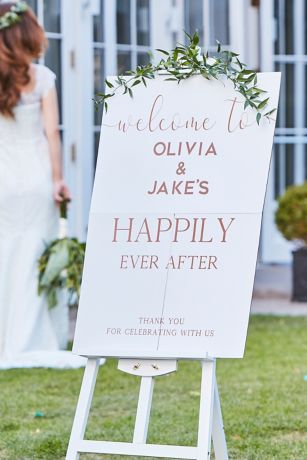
(19, 44)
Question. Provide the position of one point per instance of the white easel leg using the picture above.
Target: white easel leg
(143, 410)
(83, 408)
(218, 433)
(206, 410)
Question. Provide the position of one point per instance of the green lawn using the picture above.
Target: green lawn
(264, 402)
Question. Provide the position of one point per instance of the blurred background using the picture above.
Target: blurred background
(90, 39)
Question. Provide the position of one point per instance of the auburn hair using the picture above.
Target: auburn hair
(19, 44)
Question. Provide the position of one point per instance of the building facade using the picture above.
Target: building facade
(90, 39)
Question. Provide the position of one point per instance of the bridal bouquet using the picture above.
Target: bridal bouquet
(61, 264)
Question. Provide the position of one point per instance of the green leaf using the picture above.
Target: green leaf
(109, 84)
(270, 112)
(263, 103)
(188, 35)
(195, 39)
(57, 262)
(247, 72)
(162, 51)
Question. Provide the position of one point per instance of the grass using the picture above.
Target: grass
(264, 402)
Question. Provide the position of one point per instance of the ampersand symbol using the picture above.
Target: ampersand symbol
(180, 169)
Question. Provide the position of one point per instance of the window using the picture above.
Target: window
(99, 69)
(194, 18)
(49, 15)
(133, 33)
(211, 19)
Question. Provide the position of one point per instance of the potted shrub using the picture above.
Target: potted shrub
(291, 220)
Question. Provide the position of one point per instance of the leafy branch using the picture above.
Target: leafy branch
(185, 61)
(60, 267)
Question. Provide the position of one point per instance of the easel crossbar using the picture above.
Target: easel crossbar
(145, 450)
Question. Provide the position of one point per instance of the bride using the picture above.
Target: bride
(31, 187)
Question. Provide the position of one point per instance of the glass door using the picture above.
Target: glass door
(284, 49)
(121, 41)
(50, 16)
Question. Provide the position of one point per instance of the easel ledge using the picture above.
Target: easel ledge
(210, 415)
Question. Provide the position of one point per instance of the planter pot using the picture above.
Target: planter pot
(299, 275)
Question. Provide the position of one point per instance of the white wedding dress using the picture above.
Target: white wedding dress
(31, 335)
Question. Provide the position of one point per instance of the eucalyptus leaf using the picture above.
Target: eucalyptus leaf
(57, 262)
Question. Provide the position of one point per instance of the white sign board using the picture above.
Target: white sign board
(175, 222)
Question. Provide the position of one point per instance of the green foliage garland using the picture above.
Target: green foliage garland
(185, 61)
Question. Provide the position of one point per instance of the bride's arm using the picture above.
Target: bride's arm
(51, 126)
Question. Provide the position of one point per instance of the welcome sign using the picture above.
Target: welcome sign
(175, 222)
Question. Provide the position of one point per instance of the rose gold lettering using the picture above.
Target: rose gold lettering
(123, 262)
(190, 148)
(154, 189)
(211, 149)
(171, 263)
(195, 219)
(225, 230)
(160, 227)
(204, 189)
(175, 188)
(180, 230)
(162, 189)
(231, 128)
(212, 261)
(192, 260)
(202, 229)
(169, 153)
(117, 229)
(202, 262)
(146, 232)
(134, 261)
(160, 151)
(153, 262)
(155, 110)
(189, 187)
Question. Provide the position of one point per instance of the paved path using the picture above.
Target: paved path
(272, 292)
(283, 307)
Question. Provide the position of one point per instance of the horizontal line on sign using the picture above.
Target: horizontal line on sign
(179, 213)
(125, 448)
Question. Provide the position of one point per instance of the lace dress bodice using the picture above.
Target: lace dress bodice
(27, 126)
(44, 81)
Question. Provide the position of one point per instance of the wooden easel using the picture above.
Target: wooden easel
(210, 415)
